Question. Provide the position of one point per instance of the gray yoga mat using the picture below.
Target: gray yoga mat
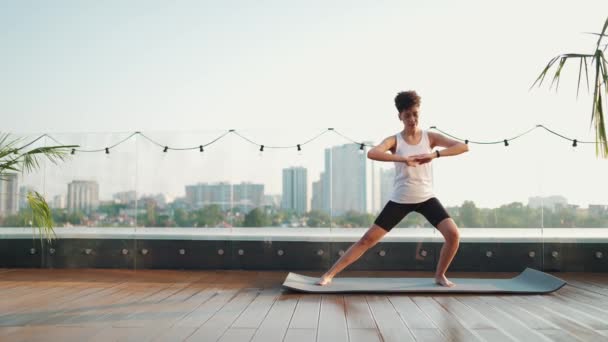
(528, 281)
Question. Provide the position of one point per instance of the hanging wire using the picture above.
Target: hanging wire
(299, 145)
(563, 137)
(197, 147)
(502, 141)
(99, 149)
(290, 146)
(351, 140)
(31, 142)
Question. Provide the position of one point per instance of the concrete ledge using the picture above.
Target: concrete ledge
(479, 235)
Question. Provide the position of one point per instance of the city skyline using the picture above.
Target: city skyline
(127, 196)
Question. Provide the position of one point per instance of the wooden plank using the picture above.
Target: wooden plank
(358, 314)
(411, 314)
(603, 291)
(470, 318)
(514, 310)
(163, 313)
(173, 333)
(237, 335)
(503, 320)
(206, 310)
(215, 327)
(275, 324)
(306, 315)
(582, 301)
(557, 335)
(428, 335)
(125, 334)
(389, 324)
(574, 328)
(300, 335)
(596, 319)
(34, 297)
(85, 304)
(257, 310)
(99, 313)
(332, 319)
(52, 333)
(445, 321)
(364, 335)
(493, 335)
(31, 315)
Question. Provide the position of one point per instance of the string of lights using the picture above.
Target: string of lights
(362, 145)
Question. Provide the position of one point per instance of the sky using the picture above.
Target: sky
(281, 72)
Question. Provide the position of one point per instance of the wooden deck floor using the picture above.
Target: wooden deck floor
(156, 305)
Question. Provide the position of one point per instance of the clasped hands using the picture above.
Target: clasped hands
(419, 159)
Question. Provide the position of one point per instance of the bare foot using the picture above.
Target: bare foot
(443, 281)
(323, 281)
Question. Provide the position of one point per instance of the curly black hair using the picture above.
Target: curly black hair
(406, 100)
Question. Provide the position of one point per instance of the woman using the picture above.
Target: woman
(411, 151)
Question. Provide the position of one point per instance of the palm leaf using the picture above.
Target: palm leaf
(542, 75)
(580, 70)
(12, 160)
(42, 217)
(586, 73)
(600, 86)
(562, 61)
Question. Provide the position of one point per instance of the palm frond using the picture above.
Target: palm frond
(600, 147)
(600, 89)
(54, 153)
(11, 159)
(6, 148)
(562, 61)
(586, 73)
(580, 70)
(42, 217)
(597, 113)
(599, 39)
(542, 75)
(600, 123)
(562, 58)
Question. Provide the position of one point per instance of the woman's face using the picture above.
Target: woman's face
(409, 117)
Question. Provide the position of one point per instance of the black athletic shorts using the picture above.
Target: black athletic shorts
(394, 212)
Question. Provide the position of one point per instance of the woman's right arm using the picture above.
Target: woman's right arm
(389, 144)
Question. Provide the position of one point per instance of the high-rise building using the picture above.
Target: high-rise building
(350, 181)
(295, 194)
(83, 196)
(9, 194)
(203, 194)
(316, 202)
(245, 196)
(58, 202)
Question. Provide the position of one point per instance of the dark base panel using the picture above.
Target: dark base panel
(292, 256)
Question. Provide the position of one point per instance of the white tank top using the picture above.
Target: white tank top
(413, 184)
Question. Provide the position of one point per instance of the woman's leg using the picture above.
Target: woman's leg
(449, 230)
(436, 214)
(369, 239)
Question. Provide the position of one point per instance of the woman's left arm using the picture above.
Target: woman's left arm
(452, 148)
